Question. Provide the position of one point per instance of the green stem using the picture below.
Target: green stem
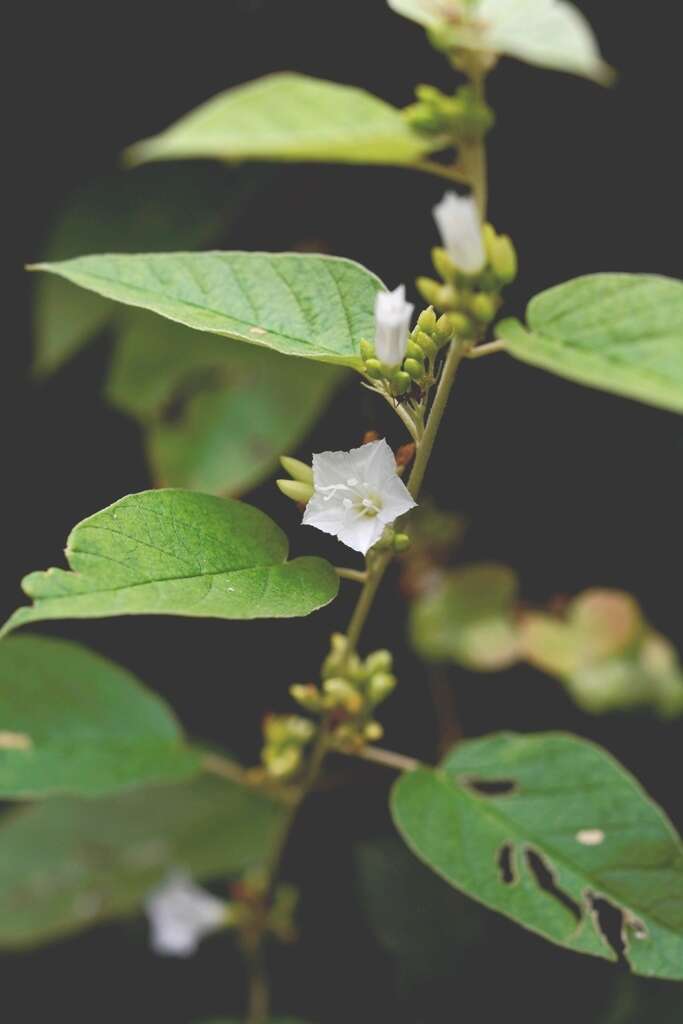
(351, 574)
(454, 357)
(451, 172)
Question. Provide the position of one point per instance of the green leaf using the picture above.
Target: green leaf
(469, 618)
(290, 117)
(69, 864)
(153, 209)
(300, 304)
(177, 553)
(542, 828)
(216, 417)
(74, 723)
(617, 332)
(549, 33)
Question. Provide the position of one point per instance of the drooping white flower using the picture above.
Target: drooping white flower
(181, 914)
(392, 325)
(457, 219)
(357, 494)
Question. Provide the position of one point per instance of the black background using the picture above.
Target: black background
(571, 487)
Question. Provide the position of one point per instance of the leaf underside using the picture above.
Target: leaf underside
(546, 829)
(172, 552)
(78, 724)
(69, 864)
(216, 417)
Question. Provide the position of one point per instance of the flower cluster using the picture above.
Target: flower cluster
(285, 740)
(351, 690)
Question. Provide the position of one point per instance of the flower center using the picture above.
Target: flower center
(357, 496)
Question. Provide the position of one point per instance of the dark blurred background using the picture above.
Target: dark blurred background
(571, 487)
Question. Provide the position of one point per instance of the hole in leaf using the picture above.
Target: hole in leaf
(490, 787)
(506, 864)
(546, 881)
(610, 922)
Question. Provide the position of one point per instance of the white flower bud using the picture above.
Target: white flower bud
(181, 914)
(392, 325)
(457, 219)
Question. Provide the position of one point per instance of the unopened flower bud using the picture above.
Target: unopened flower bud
(448, 297)
(392, 325)
(342, 694)
(444, 328)
(307, 695)
(282, 762)
(427, 320)
(401, 542)
(443, 264)
(429, 289)
(483, 307)
(367, 349)
(297, 470)
(461, 325)
(372, 732)
(504, 259)
(373, 369)
(426, 343)
(379, 661)
(400, 383)
(413, 351)
(457, 219)
(414, 368)
(296, 490)
(380, 686)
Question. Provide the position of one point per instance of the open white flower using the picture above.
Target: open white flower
(357, 494)
(457, 219)
(392, 325)
(181, 914)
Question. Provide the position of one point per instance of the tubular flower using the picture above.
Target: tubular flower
(392, 325)
(357, 494)
(181, 914)
(457, 219)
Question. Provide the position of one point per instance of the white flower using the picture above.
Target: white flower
(392, 325)
(181, 914)
(357, 494)
(457, 219)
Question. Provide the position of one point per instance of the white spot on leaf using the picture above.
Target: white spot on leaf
(590, 836)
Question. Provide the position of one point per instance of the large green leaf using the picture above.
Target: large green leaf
(469, 618)
(150, 209)
(69, 864)
(74, 723)
(617, 332)
(177, 553)
(300, 304)
(550, 33)
(294, 118)
(216, 416)
(543, 828)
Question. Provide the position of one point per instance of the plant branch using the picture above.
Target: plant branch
(356, 575)
(449, 171)
(388, 758)
(489, 349)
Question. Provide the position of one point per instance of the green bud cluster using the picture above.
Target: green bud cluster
(300, 485)
(285, 740)
(429, 335)
(463, 117)
(469, 300)
(352, 688)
